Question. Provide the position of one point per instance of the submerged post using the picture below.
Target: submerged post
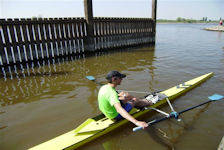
(88, 41)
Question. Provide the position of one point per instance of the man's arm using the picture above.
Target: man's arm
(127, 116)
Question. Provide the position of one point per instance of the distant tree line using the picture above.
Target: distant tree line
(184, 20)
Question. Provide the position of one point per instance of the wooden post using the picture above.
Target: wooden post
(154, 9)
(88, 40)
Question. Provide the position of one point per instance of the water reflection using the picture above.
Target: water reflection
(220, 36)
(188, 126)
(47, 79)
(160, 137)
(39, 68)
(92, 97)
(110, 145)
(22, 83)
(170, 137)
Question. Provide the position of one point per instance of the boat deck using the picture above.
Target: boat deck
(221, 145)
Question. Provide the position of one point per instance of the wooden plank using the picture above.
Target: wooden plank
(67, 36)
(42, 38)
(103, 34)
(112, 33)
(30, 41)
(2, 53)
(27, 47)
(7, 43)
(62, 37)
(109, 33)
(96, 28)
(84, 36)
(47, 38)
(19, 38)
(58, 37)
(39, 50)
(73, 35)
(53, 37)
(14, 50)
(78, 34)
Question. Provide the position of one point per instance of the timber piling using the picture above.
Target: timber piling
(29, 40)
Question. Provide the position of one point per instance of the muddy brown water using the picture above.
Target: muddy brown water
(38, 104)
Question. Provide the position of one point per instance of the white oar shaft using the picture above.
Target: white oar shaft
(171, 107)
(160, 111)
(134, 91)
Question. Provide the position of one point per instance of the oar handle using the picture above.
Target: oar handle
(136, 129)
(149, 123)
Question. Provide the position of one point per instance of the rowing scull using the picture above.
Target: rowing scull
(95, 127)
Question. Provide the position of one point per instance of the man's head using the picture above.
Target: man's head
(115, 76)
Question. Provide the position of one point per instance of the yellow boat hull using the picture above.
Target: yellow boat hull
(95, 127)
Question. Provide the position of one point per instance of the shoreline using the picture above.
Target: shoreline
(189, 22)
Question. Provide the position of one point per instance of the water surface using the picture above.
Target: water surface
(40, 103)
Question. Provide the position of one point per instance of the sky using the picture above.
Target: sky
(166, 9)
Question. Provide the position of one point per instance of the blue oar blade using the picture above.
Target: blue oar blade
(90, 78)
(216, 97)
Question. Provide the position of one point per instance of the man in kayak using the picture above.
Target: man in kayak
(117, 106)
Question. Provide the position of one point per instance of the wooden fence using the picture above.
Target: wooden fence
(28, 40)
